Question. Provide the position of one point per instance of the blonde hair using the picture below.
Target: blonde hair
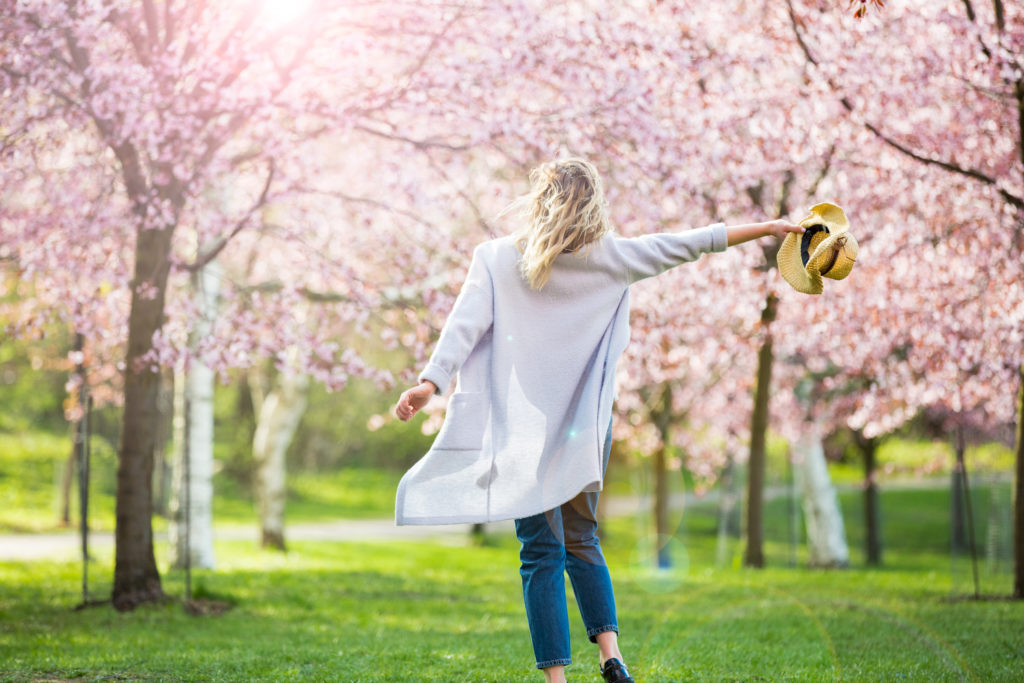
(565, 211)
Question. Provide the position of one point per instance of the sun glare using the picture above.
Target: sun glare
(283, 11)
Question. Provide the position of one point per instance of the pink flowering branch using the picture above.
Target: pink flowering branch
(1012, 199)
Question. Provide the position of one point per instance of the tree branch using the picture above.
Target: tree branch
(969, 8)
(168, 21)
(203, 259)
(1010, 198)
(824, 171)
(152, 25)
(477, 213)
(364, 200)
(418, 144)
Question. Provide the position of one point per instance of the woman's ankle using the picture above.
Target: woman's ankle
(554, 674)
(608, 642)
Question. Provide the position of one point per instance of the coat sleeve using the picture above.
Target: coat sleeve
(471, 317)
(650, 255)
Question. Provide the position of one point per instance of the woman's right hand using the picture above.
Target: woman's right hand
(413, 399)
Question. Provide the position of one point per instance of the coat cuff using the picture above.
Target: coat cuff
(436, 374)
(719, 237)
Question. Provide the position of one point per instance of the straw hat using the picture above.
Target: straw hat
(826, 248)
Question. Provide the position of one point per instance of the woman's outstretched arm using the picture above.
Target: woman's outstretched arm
(650, 255)
(752, 231)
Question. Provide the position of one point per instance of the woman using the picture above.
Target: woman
(533, 340)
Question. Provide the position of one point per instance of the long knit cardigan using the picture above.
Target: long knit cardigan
(535, 372)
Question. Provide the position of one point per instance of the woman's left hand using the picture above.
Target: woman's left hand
(414, 399)
(780, 228)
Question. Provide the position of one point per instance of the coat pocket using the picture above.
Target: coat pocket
(464, 423)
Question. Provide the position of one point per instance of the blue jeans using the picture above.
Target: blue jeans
(553, 543)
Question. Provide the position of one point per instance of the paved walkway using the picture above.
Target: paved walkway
(66, 544)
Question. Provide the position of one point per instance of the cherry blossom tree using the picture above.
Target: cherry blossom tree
(951, 102)
(340, 160)
(121, 120)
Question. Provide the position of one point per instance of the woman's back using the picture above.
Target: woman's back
(536, 374)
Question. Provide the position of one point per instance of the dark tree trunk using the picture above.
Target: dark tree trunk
(960, 446)
(136, 579)
(1018, 498)
(754, 555)
(161, 467)
(872, 531)
(661, 507)
(67, 475)
(662, 420)
(958, 532)
(75, 458)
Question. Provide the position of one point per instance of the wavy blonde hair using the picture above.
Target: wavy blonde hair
(565, 211)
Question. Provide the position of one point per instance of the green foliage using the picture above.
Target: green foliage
(333, 435)
(335, 431)
(233, 429)
(32, 382)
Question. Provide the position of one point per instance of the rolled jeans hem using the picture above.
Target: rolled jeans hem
(554, 662)
(593, 632)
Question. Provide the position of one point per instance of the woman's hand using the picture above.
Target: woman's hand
(780, 228)
(413, 399)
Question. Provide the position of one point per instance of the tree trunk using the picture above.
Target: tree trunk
(729, 503)
(661, 507)
(66, 477)
(1018, 496)
(872, 531)
(662, 417)
(278, 418)
(75, 458)
(957, 530)
(960, 446)
(826, 537)
(136, 579)
(197, 394)
(754, 555)
(162, 469)
(193, 412)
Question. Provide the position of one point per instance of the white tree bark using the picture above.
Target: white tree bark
(193, 439)
(826, 537)
(278, 413)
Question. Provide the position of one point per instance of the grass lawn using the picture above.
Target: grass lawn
(422, 612)
(403, 611)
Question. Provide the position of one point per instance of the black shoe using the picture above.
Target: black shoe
(614, 671)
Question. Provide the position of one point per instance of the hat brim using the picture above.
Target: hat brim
(832, 216)
(833, 257)
(792, 269)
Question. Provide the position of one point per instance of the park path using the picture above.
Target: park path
(66, 544)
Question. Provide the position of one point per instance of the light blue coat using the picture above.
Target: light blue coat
(535, 378)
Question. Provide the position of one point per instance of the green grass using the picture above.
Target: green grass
(421, 612)
(32, 462)
(400, 611)
(417, 612)
(31, 466)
